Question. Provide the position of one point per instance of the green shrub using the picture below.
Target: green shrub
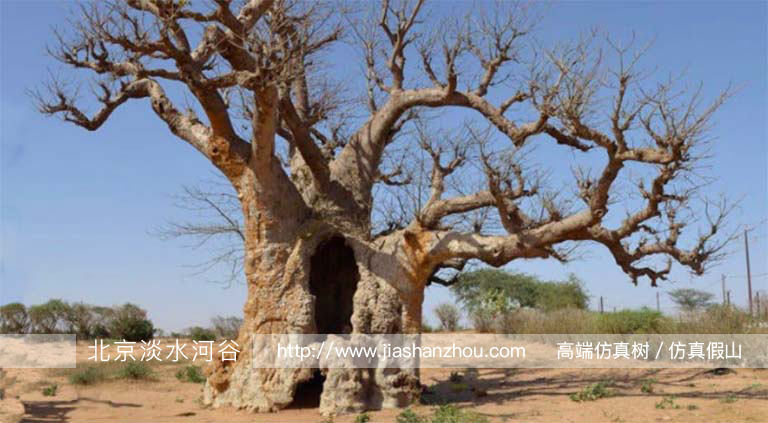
(99, 330)
(13, 318)
(560, 295)
(197, 333)
(643, 321)
(647, 386)
(453, 414)
(79, 319)
(135, 371)
(87, 376)
(593, 392)
(362, 418)
(46, 318)
(500, 292)
(667, 403)
(129, 322)
(408, 416)
(50, 390)
(191, 374)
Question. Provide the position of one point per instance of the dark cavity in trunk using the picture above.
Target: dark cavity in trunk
(333, 280)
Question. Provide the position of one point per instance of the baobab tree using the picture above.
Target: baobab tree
(352, 204)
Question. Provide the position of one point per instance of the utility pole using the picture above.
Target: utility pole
(722, 280)
(658, 303)
(757, 303)
(749, 273)
(601, 304)
(728, 297)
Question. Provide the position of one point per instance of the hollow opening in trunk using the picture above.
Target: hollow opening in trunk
(333, 280)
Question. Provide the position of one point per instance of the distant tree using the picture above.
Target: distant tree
(496, 289)
(495, 292)
(79, 319)
(198, 333)
(558, 295)
(102, 321)
(689, 299)
(448, 315)
(129, 322)
(13, 318)
(48, 317)
(227, 327)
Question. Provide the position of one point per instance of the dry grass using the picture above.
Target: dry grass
(716, 319)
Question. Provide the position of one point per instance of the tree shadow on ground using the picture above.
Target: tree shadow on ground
(498, 386)
(58, 411)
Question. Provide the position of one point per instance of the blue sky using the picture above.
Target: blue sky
(77, 208)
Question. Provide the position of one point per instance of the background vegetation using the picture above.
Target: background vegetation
(126, 322)
(492, 300)
(496, 301)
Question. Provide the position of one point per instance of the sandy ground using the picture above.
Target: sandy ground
(506, 395)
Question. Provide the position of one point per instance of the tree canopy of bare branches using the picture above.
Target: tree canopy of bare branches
(466, 138)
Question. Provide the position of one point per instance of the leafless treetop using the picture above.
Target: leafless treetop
(460, 127)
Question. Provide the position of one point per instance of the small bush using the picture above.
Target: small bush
(99, 331)
(408, 416)
(50, 390)
(129, 322)
(46, 318)
(667, 403)
(135, 371)
(593, 392)
(453, 414)
(88, 376)
(448, 315)
(14, 318)
(560, 295)
(643, 321)
(483, 321)
(197, 333)
(730, 399)
(647, 387)
(499, 292)
(363, 418)
(191, 374)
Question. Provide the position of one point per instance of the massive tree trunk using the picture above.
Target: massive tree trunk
(316, 271)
